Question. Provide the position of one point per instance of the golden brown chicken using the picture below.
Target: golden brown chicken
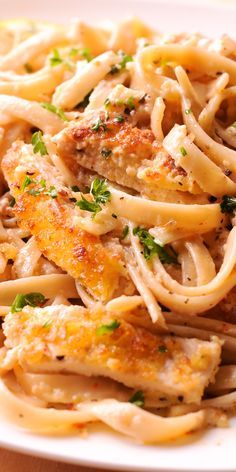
(94, 342)
(47, 209)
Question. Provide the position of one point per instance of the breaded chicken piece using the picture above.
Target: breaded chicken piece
(74, 339)
(50, 216)
(124, 154)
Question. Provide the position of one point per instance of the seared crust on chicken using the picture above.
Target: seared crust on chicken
(94, 342)
(123, 154)
(52, 220)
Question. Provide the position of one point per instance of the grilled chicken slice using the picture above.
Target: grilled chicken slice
(74, 339)
(124, 154)
(43, 207)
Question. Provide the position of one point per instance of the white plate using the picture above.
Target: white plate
(213, 450)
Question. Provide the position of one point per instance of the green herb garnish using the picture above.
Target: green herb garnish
(100, 191)
(52, 192)
(122, 64)
(107, 102)
(138, 399)
(32, 299)
(73, 52)
(108, 328)
(119, 119)
(75, 188)
(27, 181)
(58, 111)
(151, 248)
(188, 111)
(183, 151)
(47, 324)
(125, 232)
(38, 143)
(86, 205)
(228, 204)
(86, 54)
(130, 103)
(99, 124)
(55, 59)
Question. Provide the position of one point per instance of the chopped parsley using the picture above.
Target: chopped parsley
(86, 54)
(107, 328)
(38, 143)
(151, 248)
(122, 64)
(73, 52)
(32, 299)
(234, 124)
(86, 205)
(183, 151)
(100, 191)
(228, 204)
(52, 192)
(101, 195)
(105, 152)
(99, 124)
(58, 111)
(75, 188)
(119, 119)
(47, 324)
(125, 232)
(130, 103)
(162, 348)
(27, 181)
(107, 102)
(138, 399)
(188, 111)
(55, 59)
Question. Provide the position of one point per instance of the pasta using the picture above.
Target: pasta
(117, 229)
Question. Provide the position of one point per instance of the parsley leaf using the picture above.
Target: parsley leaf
(188, 111)
(86, 54)
(27, 181)
(38, 143)
(228, 204)
(100, 194)
(138, 399)
(130, 103)
(52, 192)
(58, 111)
(32, 299)
(151, 248)
(75, 188)
(84, 204)
(55, 59)
(100, 191)
(107, 102)
(73, 52)
(99, 124)
(119, 119)
(108, 328)
(183, 151)
(125, 232)
(122, 64)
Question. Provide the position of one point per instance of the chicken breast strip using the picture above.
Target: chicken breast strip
(44, 207)
(92, 342)
(124, 154)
